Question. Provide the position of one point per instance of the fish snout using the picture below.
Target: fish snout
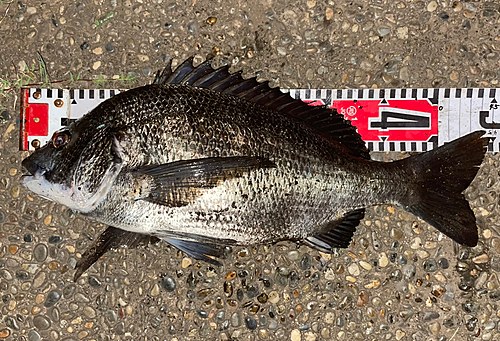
(31, 166)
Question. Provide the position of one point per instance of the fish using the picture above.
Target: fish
(205, 160)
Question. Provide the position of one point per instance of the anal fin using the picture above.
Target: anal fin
(337, 234)
(199, 250)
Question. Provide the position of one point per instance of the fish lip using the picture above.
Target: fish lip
(33, 168)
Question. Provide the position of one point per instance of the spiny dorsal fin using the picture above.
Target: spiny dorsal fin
(327, 122)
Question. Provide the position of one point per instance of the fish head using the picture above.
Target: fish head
(75, 168)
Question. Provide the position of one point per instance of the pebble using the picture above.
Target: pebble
(97, 50)
(430, 265)
(52, 298)
(34, 336)
(383, 261)
(305, 262)
(168, 284)
(96, 65)
(383, 31)
(353, 269)
(435, 328)
(156, 290)
(235, 320)
(409, 271)
(186, 262)
(432, 6)
(430, 315)
(400, 334)
(109, 47)
(365, 265)
(94, 282)
(295, 335)
(41, 322)
(251, 323)
(274, 297)
(443, 263)
(481, 259)
(4, 333)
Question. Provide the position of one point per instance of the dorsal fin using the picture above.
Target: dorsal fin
(327, 122)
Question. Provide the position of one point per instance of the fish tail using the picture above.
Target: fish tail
(438, 179)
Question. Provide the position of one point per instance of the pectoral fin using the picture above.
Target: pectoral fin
(179, 183)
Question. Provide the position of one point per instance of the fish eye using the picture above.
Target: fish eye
(60, 139)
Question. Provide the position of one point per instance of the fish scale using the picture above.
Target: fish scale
(234, 162)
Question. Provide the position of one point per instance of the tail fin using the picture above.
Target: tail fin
(440, 177)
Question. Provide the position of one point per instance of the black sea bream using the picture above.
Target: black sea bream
(204, 159)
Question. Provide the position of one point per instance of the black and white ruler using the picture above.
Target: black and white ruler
(388, 119)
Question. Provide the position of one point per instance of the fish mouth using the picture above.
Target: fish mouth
(34, 170)
(32, 167)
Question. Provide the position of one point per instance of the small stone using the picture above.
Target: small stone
(432, 6)
(262, 298)
(96, 65)
(455, 76)
(402, 32)
(365, 265)
(41, 322)
(89, 312)
(4, 333)
(231, 275)
(274, 297)
(400, 334)
(396, 234)
(34, 336)
(55, 239)
(31, 10)
(383, 31)
(295, 335)
(305, 262)
(192, 26)
(430, 265)
(168, 284)
(109, 47)
(156, 290)
(362, 298)
(94, 282)
(481, 259)
(373, 284)
(409, 271)
(52, 298)
(435, 327)
(353, 269)
(329, 13)
(443, 263)
(13, 249)
(383, 261)
(251, 323)
(430, 315)
(211, 20)
(444, 16)
(417, 242)
(97, 50)
(235, 320)
(186, 262)
(252, 292)
(143, 58)
(293, 255)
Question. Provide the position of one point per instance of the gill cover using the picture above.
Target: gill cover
(95, 173)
